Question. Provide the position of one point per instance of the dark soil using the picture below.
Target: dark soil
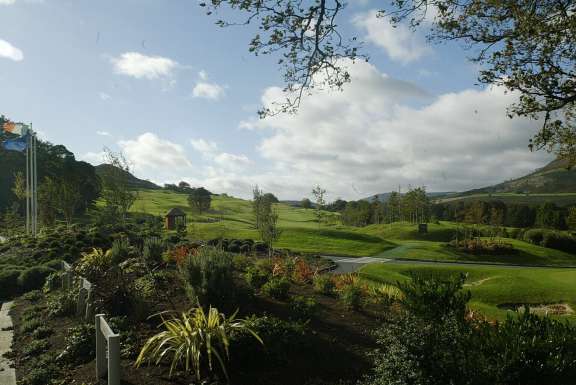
(340, 339)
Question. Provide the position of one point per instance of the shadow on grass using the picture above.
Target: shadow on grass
(337, 234)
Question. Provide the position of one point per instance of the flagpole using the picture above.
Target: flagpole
(35, 184)
(28, 185)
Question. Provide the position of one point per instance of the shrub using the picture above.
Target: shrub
(35, 348)
(152, 250)
(441, 345)
(277, 288)
(42, 332)
(303, 308)
(33, 296)
(38, 375)
(192, 338)
(80, 345)
(63, 304)
(208, 274)
(120, 250)
(55, 264)
(324, 284)
(282, 339)
(241, 262)
(33, 278)
(351, 296)
(385, 294)
(31, 325)
(53, 282)
(8, 283)
(534, 236)
(94, 264)
(432, 297)
(559, 241)
(256, 277)
(31, 312)
(302, 273)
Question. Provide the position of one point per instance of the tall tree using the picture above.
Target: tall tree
(269, 230)
(319, 194)
(117, 194)
(199, 199)
(527, 46)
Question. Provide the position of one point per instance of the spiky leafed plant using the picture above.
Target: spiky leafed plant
(191, 338)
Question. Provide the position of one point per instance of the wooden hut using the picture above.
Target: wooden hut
(174, 218)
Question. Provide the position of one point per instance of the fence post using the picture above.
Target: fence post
(81, 305)
(100, 348)
(114, 360)
(89, 306)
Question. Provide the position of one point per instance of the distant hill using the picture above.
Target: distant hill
(383, 197)
(554, 178)
(133, 182)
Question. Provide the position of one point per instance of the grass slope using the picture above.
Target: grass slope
(432, 246)
(232, 218)
(561, 199)
(493, 286)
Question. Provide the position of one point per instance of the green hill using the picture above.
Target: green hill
(231, 217)
(556, 177)
(555, 182)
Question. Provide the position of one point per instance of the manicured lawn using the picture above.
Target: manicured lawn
(232, 218)
(432, 246)
(492, 286)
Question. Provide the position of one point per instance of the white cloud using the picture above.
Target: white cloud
(381, 132)
(8, 51)
(207, 90)
(7, 2)
(94, 158)
(206, 148)
(232, 161)
(225, 160)
(104, 96)
(103, 133)
(140, 66)
(149, 152)
(400, 43)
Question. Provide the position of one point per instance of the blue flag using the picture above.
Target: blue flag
(18, 144)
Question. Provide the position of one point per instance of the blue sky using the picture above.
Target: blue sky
(159, 81)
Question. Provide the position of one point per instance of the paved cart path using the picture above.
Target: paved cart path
(7, 374)
(351, 264)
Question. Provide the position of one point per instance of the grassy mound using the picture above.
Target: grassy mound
(494, 289)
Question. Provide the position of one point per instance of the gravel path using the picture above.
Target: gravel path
(7, 374)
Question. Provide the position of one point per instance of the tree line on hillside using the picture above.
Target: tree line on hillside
(416, 207)
(547, 215)
(413, 207)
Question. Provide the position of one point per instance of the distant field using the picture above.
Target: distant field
(493, 286)
(561, 199)
(232, 218)
(432, 246)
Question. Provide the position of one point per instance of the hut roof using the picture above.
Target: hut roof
(175, 212)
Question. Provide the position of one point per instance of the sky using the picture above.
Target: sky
(159, 81)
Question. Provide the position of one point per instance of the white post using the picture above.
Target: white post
(100, 348)
(106, 336)
(114, 360)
